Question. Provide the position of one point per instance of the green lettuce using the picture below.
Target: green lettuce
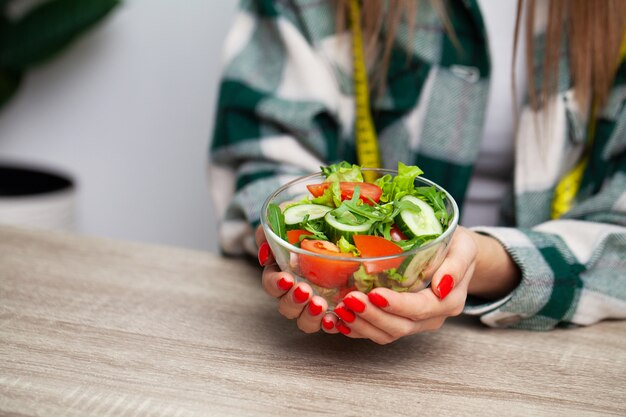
(331, 196)
(343, 171)
(347, 247)
(363, 281)
(402, 184)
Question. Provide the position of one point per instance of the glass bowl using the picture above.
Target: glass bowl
(415, 267)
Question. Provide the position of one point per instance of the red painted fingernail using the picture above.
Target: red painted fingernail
(345, 315)
(377, 299)
(300, 296)
(264, 253)
(354, 304)
(343, 328)
(328, 323)
(445, 286)
(284, 284)
(314, 309)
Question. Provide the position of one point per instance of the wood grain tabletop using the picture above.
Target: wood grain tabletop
(93, 327)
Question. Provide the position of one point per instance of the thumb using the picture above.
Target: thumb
(457, 265)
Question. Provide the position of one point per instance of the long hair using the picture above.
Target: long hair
(594, 30)
(387, 14)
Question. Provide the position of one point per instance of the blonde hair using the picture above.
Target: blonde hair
(595, 30)
(376, 14)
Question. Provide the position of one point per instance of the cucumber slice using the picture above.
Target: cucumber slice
(413, 223)
(296, 214)
(413, 268)
(335, 229)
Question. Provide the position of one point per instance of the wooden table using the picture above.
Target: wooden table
(92, 327)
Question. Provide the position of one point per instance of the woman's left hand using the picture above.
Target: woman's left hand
(385, 316)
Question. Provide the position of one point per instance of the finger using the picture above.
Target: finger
(292, 304)
(377, 324)
(459, 260)
(259, 235)
(328, 323)
(390, 326)
(264, 255)
(346, 330)
(276, 282)
(310, 321)
(417, 306)
(362, 329)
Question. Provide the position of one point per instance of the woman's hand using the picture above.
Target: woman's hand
(295, 301)
(475, 264)
(385, 316)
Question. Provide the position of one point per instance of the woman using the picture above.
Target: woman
(554, 254)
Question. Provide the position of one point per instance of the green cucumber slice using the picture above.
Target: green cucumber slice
(414, 266)
(335, 229)
(296, 214)
(413, 223)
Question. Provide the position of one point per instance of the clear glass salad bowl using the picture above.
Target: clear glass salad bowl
(332, 277)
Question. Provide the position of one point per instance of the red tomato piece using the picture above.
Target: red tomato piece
(373, 246)
(293, 236)
(396, 234)
(317, 189)
(369, 193)
(327, 273)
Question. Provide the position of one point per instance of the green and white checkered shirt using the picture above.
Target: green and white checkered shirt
(286, 106)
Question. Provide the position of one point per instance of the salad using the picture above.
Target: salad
(345, 218)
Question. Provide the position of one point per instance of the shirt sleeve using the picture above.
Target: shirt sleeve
(573, 270)
(278, 117)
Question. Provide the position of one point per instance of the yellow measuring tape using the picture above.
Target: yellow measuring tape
(364, 132)
(569, 185)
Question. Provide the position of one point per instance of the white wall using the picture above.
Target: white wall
(129, 110)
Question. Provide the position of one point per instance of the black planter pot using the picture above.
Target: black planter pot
(36, 197)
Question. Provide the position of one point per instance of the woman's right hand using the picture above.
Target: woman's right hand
(295, 300)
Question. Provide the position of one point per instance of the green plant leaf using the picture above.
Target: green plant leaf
(48, 29)
(437, 200)
(276, 220)
(343, 171)
(315, 227)
(347, 247)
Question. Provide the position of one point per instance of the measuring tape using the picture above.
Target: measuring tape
(568, 187)
(364, 132)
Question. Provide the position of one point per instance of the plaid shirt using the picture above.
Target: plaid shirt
(286, 107)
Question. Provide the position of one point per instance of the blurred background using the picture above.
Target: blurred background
(126, 111)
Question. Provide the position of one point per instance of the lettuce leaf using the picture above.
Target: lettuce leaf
(347, 247)
(342, 171)
(402, 184)
(363, 281)
(393, 275)
(331, 196)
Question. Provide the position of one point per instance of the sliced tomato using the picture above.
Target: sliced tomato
(327, 273)
(317, 189)
(396, 234)
(373, 246)
(293, 236)
(368, 192)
